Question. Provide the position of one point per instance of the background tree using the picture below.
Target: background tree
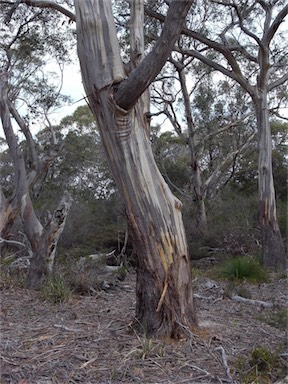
(21, 75)
(254, 57)
(96, 221)
(214, 131)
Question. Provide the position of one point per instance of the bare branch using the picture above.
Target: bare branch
(33, 158)
(173, 120)
(12, 242)
(170, 182)
(226, 162)
(268, 36)
(240, 18)
(276, 113)
(140, 79)
(51, 5)
(226, 127)
(278, 82)
(237, 76)
(11, 11)
(221, 48)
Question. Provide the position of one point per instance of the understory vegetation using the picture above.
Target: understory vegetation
(104, 278)
(144, 233)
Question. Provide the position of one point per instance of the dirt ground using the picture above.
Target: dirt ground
(90, 339)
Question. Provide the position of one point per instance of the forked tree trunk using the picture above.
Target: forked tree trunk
(43, 241)
(164, 285)
(273, 247)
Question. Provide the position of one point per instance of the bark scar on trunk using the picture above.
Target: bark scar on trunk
(123, 119)
(178, 204)
(162, 295)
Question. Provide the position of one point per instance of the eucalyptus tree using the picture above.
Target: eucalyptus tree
(211, 118)
(120, 103)
(246, 42)
(26, 94)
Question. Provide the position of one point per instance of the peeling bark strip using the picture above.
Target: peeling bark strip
(123, 121)
(164, 282)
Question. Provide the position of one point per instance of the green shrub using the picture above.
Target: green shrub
(56, 290)
(262, 366)
(242, 268)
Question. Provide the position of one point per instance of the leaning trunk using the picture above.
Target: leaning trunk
(42, 240)
(164, 287)
(273, 247)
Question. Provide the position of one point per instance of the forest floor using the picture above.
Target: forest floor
(90, 339)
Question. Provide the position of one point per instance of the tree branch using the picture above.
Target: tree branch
(51, 5)
(226, 127)
(268, 36)
(12, 242)
(226, 162)
(128, 91)
(26, 131)
(278, 82)
(236, 74)
(238, 77)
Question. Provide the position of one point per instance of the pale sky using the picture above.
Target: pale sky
(72, 86)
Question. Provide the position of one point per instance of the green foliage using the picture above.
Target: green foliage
(282, 217)
(242, 268)
(121, 273)
(245, 176)
(172, 158)
(146, 348)
(82, 117)
(56, 290)
(278, 319)
(232, 226)
(262, 366)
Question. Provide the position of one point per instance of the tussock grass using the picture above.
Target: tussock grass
(241, 268)
(55, 290)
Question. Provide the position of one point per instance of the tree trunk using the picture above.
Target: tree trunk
(43, 241)
(9, 210)
(44, 244)
(200, 194)
(273, 247)
(164, 284)
(201, 217)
